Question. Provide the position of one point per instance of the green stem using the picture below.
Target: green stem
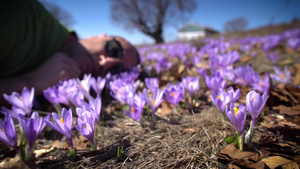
(58, 109)
(142, 121)
(21, 150)
(73, 154)
(241, 141)
(153, 118)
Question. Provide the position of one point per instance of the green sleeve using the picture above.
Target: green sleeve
(29, 36)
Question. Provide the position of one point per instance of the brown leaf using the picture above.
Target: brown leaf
(276, 161)
(287, 110)
(242, 158)
(246, 59)
(165, 108)
(259, 165)
(189, 130)
(43, 151)
(181, 68)
(289, 124)
(296, 79)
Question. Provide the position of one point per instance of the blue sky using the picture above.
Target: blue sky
(92, 17)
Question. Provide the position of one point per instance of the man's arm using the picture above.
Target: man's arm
(59, 67)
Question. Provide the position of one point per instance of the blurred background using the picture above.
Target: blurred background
(156, 21)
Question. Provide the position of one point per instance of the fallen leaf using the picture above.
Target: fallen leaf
(41, 152)
(165, 108)
(296, 79)
(287, 110)
(189, 130)
(181, 68)
(276, 161)
(241, 158)
(246, 59)
(259, 165)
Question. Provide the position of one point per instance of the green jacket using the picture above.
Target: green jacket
(29, 35)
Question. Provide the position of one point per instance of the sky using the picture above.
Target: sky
(92, 17)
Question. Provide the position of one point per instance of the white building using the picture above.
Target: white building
(194, 31)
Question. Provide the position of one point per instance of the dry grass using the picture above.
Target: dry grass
(178, 140)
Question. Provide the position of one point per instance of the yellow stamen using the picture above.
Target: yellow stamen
(2, 130)
(62, 120)
(150, 95)
(219, 97)
(118, 92)
(240, 80)
(235, 111)
(20, 98)
(132, 110)
(172, 94)
(261, 84)
(152, 102)
(85, 127)
(252, 99)
(282, 76)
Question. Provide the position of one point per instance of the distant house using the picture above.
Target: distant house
(194, 31)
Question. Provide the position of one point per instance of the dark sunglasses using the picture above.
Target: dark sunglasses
(114, 49)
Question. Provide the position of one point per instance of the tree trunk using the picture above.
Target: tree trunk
(158, 39)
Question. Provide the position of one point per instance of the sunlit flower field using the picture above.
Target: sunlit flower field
(228, 103)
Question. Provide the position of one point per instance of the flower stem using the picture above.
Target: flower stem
(21, 150)
(153, 117)
(73, 154)
(241, 141)
(58, 109)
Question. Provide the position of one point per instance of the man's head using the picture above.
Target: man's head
(111, 54)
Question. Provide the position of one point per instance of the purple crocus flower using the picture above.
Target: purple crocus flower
(152, 83)
(237, 116)
(191, 84)
(136, 106)
(202, 72)
(153, 99)
(234, 95)
(239, 75)
(273, 56)
(215, 81)
(173, 94)
(76, 97)
(293, 43)
(14, 112)
(62, 124)
(220, 99)
(280, 76)
(55, 96)
(120, 94)
(98, 84)
(22, 101)
(260, 84)
(95, 107)
(134, 112)
(255, 103)
(85, 85)
(8, 133)
(32, 127)
(86, 126)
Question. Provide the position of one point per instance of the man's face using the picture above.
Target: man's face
(103, 62)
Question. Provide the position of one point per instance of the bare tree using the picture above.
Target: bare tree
(60, 14)
(237, 24)
(150, 16)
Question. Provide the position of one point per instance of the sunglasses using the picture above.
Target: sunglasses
(114, 49)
